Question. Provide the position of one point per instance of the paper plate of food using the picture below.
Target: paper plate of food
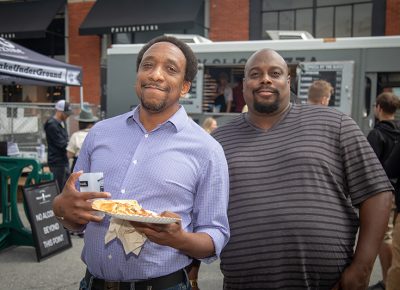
(130, 210)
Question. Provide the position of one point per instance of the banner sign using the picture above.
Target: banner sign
(39, 72)
(18, 61)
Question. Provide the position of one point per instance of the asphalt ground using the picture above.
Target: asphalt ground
(19, 269)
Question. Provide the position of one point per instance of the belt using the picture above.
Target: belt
(158, 283)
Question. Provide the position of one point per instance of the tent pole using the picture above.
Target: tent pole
(81, 96)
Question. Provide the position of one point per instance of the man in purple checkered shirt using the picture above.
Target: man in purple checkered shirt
(157, 155)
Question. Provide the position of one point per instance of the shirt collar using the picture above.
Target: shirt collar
(178, 120)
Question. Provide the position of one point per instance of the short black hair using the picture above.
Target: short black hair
(191, 60)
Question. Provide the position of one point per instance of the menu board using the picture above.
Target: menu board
(339, 74)
(49, 235)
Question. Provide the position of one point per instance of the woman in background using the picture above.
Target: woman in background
(86, 121)
(210, 124)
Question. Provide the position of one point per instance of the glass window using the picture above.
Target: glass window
(337, 2)
(333, 18)
(362, 20)
(269, 21)
(324, 22)
(304, 20)
(286, 4)
(122, 38)
(286, 20)
(343, 21)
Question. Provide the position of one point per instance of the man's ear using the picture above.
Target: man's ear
(185, 88)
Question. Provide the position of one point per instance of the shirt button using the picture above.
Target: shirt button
(134, 161)
(146, 135)
(123, 190)
(109, 256)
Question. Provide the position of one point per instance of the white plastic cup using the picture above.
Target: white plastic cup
(92, 182)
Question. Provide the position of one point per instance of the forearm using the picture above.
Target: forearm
(196, 245)
(70, 154)
(374, 216)
(193, 269)
(228, 106)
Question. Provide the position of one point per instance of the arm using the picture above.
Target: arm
(229, 99)
(197, 245)
(193, 273)
(74, 208)
(70, 154)
(374, 216)
(228, 106)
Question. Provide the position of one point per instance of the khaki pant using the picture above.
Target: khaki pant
(393, 276)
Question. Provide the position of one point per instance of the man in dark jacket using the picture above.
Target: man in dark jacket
(392, 167)
(57, 141)
(383, 138)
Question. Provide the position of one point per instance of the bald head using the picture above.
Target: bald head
(266, 84)
(263, 55)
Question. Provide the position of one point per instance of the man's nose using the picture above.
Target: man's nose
(266, 78)
(156, 74)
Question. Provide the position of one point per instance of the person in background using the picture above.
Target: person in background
(383, 138)
(160, 157)
(319, 93)
(210, 124)
(86, 121)
(224, 97)
(392, 167)
(57, 141)
(297, 174)
(237, 93)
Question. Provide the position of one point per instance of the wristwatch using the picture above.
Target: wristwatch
(193, 283)
(61, 218)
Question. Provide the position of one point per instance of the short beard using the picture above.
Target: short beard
(154, 108)
(266, 109)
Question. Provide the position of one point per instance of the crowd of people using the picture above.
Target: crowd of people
(288, 196)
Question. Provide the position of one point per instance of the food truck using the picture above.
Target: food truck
(359, 68)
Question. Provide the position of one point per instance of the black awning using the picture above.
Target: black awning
(28, 19)
(127, 16)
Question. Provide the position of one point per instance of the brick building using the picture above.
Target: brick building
(79, 31)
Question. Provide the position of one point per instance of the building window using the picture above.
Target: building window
(343, 20)
(322, 18)
(362, 20)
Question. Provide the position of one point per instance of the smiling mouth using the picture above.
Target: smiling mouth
(265, 92)
(154, 87)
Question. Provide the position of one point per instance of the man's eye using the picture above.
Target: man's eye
(146, 65)
(276, 74)
(254, 74)
(172, 69)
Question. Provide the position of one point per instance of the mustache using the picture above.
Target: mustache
(154, 86)
(266, 88)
